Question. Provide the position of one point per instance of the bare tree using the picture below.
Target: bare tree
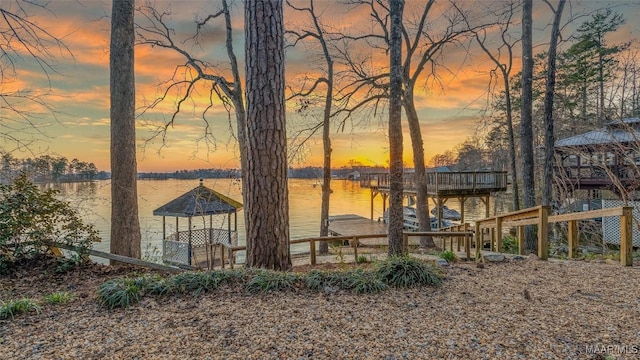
(526, 119)
(504, 68)
(224, 87)
(549, 137)
(425, 47)
(396, 215)
(267, 201)
(317, 33)
(24, 41)
(125, 225)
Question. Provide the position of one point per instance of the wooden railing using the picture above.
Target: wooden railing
(356, 240)
(459, 180)
(539, 215)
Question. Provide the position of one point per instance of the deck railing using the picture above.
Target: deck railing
(539, 215)
(459, 180)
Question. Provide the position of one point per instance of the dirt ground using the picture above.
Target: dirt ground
(518, 309)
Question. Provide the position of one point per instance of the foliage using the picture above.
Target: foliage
(362, 259)
(357, 280)
(121, 292)
(195, 283)
(30, 217)
(448, 255)
(405, 271)
(60, 297)
(510, 244)
(268, 281)
(15, 307)
(65, 265)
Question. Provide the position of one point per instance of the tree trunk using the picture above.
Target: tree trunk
(396, 218)
(420, 176)
(267, 200)
(526, 121)
(549, 138)
(125, 226)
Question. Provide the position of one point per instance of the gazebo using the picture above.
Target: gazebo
(196, 247)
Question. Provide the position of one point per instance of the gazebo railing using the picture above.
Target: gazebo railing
(178, 248)
(207, 236)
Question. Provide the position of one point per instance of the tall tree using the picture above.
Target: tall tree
(549, 138)
(125, 225)
(317, 33)
(526, 119)
(425, 44)
(396, 216)
(504, 68)
(267, 201)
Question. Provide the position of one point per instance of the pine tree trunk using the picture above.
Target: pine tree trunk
(267, 201)
(125, 226)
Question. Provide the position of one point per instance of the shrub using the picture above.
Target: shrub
(510, 244)
(448, 255)
(406, 271)
(15, 307)
(30, 217)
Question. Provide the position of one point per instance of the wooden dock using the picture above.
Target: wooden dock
(351, 224)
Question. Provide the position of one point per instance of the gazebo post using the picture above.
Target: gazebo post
(189, 257)
(164, 236)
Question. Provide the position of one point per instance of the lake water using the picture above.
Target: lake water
(93, 202)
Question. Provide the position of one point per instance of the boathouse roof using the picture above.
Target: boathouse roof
(199, 201)
(615, 132)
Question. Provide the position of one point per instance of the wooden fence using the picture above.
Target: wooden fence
(539, 216)
(354, 241)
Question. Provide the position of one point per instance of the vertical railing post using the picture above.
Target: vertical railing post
(467, 242)
(543, 232)
(478, 241)
(354, 244)
(572, 235)
(312, 250)
(492, 237)
(499, 234)
(626, 236)
(520, 240)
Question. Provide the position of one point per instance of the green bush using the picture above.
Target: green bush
(15, 307)
(448, 255)
(406, 271)
(510, 244)
(30, 217)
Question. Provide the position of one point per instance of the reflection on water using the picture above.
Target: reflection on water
(93, 201)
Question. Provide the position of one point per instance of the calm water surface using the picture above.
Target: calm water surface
(93, 200)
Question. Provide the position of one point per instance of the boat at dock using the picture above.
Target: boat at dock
(447, 213)
(411, 222)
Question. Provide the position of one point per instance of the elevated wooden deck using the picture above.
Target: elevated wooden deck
(444, 184)
(441, 186)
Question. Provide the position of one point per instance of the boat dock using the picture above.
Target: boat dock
(351, 224)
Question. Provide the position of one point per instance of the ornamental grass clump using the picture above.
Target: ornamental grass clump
(121, 292)
(272, 281)
(195, 283)
(14, 307)
(405, 272)
(357, 280)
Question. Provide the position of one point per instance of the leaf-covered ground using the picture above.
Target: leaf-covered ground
(524, 309)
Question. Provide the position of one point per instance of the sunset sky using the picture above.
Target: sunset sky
(79, 91)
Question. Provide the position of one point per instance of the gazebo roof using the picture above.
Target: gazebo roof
(615, 132)
(199, 201)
